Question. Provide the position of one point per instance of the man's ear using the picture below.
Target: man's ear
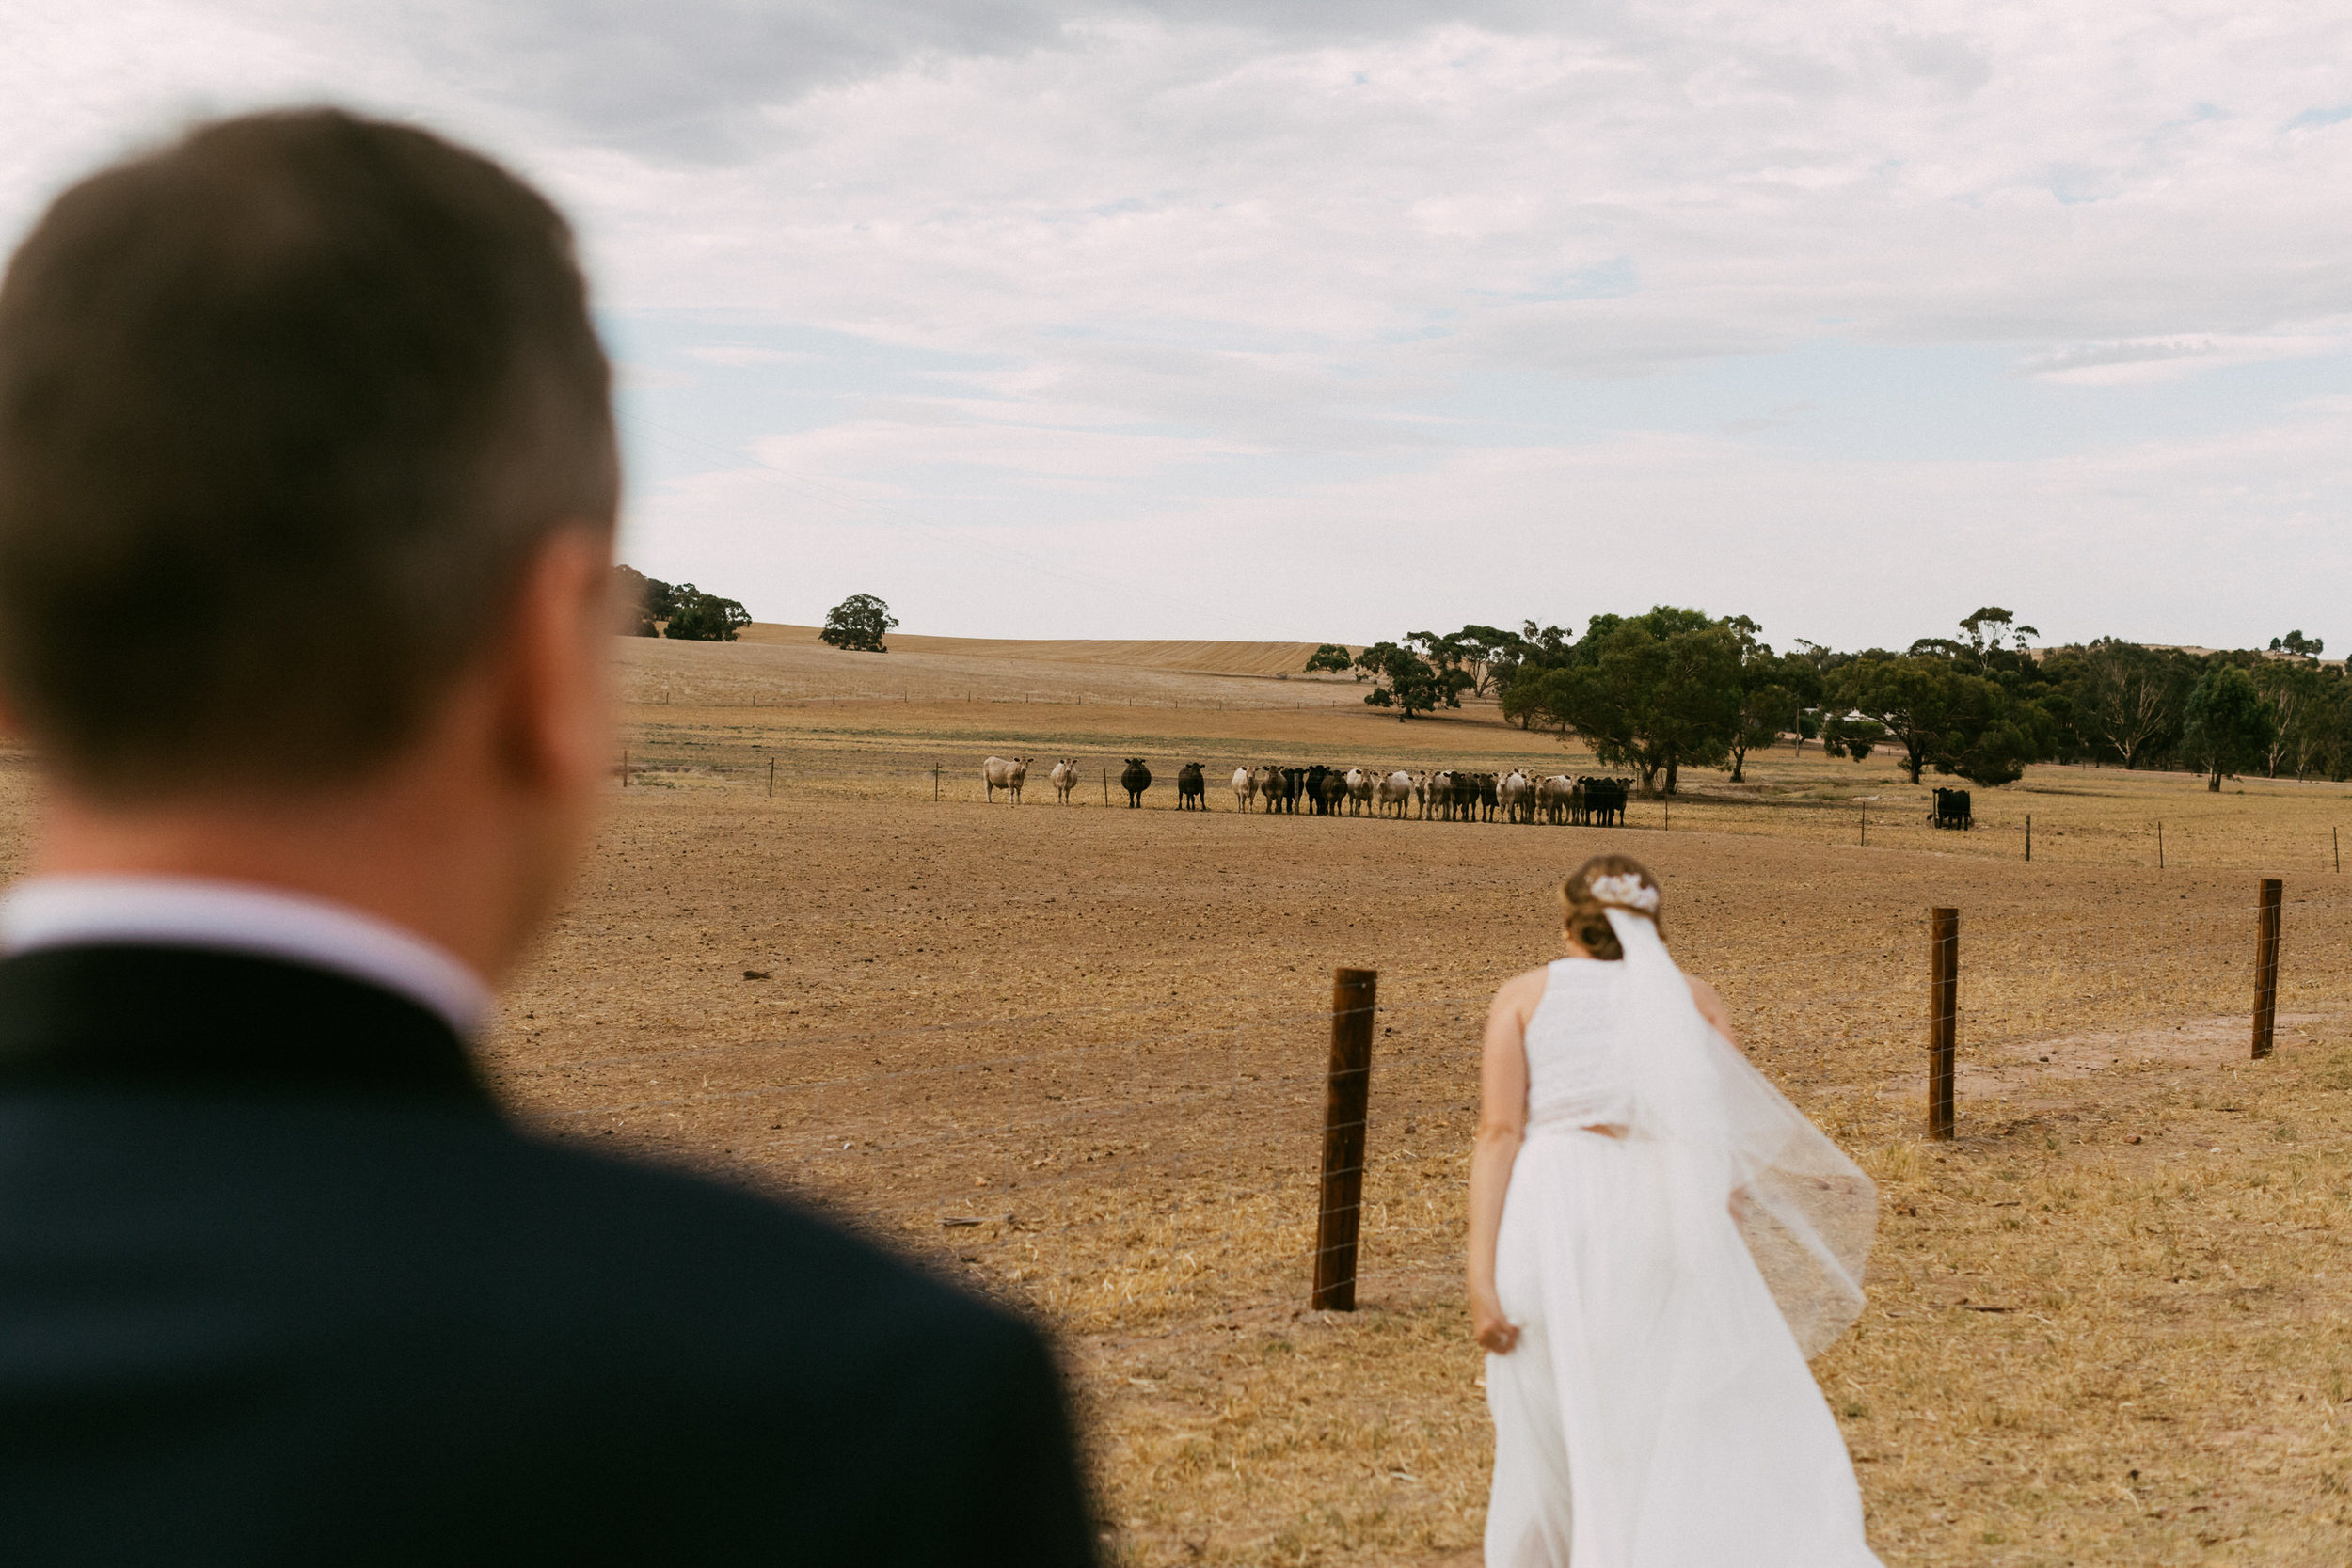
(556, 686)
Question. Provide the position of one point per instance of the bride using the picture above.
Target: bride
(1658, 1241)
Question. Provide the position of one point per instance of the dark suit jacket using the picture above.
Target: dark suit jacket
(278, 1285)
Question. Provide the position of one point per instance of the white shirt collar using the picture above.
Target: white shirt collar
(83, 910)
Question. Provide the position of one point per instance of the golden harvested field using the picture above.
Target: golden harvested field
(1180, 655)
(1073, 1055)
(2104, 1324)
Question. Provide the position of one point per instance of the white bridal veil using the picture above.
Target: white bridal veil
(1806, 1213)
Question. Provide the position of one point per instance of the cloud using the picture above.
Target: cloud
(738, 355)
(2140, 361)
(1218, 271)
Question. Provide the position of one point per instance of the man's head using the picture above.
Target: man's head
(307, 493)
(285, 409)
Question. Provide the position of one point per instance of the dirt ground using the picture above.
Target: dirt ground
(1073, 1055)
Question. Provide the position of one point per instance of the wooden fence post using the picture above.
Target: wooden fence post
(1347, 1096)
(772, 778)
(1943, 1018)
(624, 767)
(2029, 836)
(2265, 966)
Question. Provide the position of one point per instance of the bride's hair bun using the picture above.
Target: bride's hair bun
(1628, 884)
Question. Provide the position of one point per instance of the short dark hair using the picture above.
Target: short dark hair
(285, 407)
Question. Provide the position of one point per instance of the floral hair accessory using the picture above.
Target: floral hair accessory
(1624, 891)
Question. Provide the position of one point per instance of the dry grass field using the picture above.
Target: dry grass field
(1073, 1055)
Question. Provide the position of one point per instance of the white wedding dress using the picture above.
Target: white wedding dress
(1657, 1411)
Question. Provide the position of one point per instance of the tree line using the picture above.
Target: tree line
(681, 609)
(1678, 688)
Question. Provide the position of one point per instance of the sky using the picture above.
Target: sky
(1334, 321)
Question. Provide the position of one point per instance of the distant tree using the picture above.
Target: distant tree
(1850, 735)
(1988, 626)
(2126, 699)
(1906, 696)
(1407, 682)
(1483, 653)
(1535, 650)
(1774, 692)
(1943, 716)
(643, 601)
(2296, 643)
(2226, 727)
(2327, 729)
(1765, 712)
(1331, 656)
(699, 617)
(2295, 692)
(858, 623)
(1655, 692)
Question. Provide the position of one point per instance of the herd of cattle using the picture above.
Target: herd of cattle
(1445, 794)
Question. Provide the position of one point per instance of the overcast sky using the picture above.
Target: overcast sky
(1341, 320)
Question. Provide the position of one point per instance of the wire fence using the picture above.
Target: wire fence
(1131, 1167)
(865, 757)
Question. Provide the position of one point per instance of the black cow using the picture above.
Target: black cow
(1312, 787)
(1332, 793)
(1601, 801)
(1192, 788)
(1466, 796)
(1490, 788)
(1951, 809)
(1135, 781)
(1293, 783)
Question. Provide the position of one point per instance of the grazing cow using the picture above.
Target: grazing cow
(1951, 810)
(1005, 773)
(1269, 782)
(1393, 790)
(1516, 793)
(1064, 778)
(1192, 788)
(1135, 780)
(1334, 791)
(1244, 788)
(1358, 791)
(1312, 787)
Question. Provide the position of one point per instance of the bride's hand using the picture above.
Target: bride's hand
(1489, 1327)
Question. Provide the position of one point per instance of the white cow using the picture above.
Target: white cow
(1396, 790)
(1244, 788)
(1435, 791)
(1359, 790)
(1552, 796)
(1516, 794)
(1064, 778)
(1005, 773)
